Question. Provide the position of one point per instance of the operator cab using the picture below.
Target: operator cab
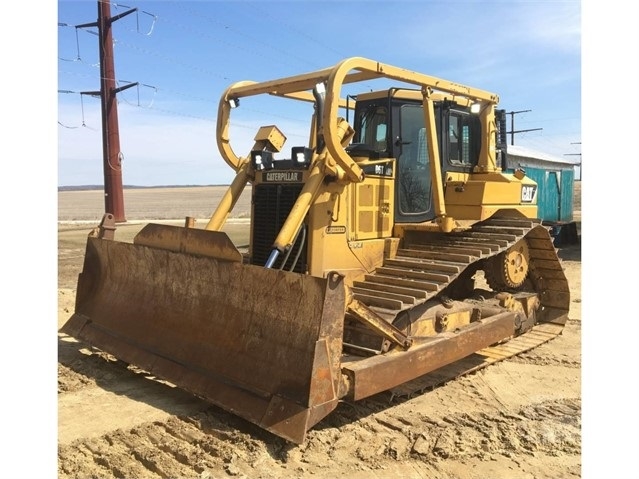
(391, 124)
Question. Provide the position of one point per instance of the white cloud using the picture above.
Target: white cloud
(155, 147)
(557, 29)
(159, 148)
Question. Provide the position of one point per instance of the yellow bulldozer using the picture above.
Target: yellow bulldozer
(388, 252)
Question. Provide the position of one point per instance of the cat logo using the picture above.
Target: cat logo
(282, 177)
(528, 193)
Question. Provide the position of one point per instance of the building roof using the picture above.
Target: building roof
(522, 152)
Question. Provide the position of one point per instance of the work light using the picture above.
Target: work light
(262, 160)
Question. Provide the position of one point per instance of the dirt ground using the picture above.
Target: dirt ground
(520, 418)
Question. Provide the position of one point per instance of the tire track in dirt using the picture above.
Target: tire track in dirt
(464, 420)
(199, 445)
(563, 351)
(541, 360)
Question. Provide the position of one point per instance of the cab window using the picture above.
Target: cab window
(414, 180)
(372, 124)
(463, 139)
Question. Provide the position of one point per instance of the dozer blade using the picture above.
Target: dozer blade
(263, 344)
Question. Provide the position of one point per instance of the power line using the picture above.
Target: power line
(254, 40)
(512, 125)
(174, 60)
(579, 155)
(289, 27)
(137, 19)
(208, 73)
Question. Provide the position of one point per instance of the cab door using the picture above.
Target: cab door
(459, 143)
(413, 189)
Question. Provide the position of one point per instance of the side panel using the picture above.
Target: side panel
(348, 227)
(372, 208)
(478, 196)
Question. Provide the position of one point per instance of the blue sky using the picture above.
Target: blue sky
(184, 54)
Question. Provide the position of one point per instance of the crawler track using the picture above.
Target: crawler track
(538, 335)
(422, 270)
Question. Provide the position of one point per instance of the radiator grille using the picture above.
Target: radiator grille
(271, 206)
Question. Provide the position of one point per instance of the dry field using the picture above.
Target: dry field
(520, 418)
(150, 203)
(175, 203)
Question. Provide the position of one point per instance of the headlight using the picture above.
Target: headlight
(262, 160)
(301, 156)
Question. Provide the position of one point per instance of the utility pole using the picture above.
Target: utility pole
(512, 125)
(112, 156)
(579, 155)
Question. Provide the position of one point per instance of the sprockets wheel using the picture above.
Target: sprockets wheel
(509, 268)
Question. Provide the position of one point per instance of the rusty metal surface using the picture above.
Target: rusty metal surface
(188, 240)
(537, 336)
(368, 317)
(380, 373)
(106, 228)
(263, 344)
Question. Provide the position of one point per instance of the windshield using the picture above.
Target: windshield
(372, 128)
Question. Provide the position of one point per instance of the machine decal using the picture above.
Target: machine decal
(528, 193)
(282, 177)
(335, 230)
